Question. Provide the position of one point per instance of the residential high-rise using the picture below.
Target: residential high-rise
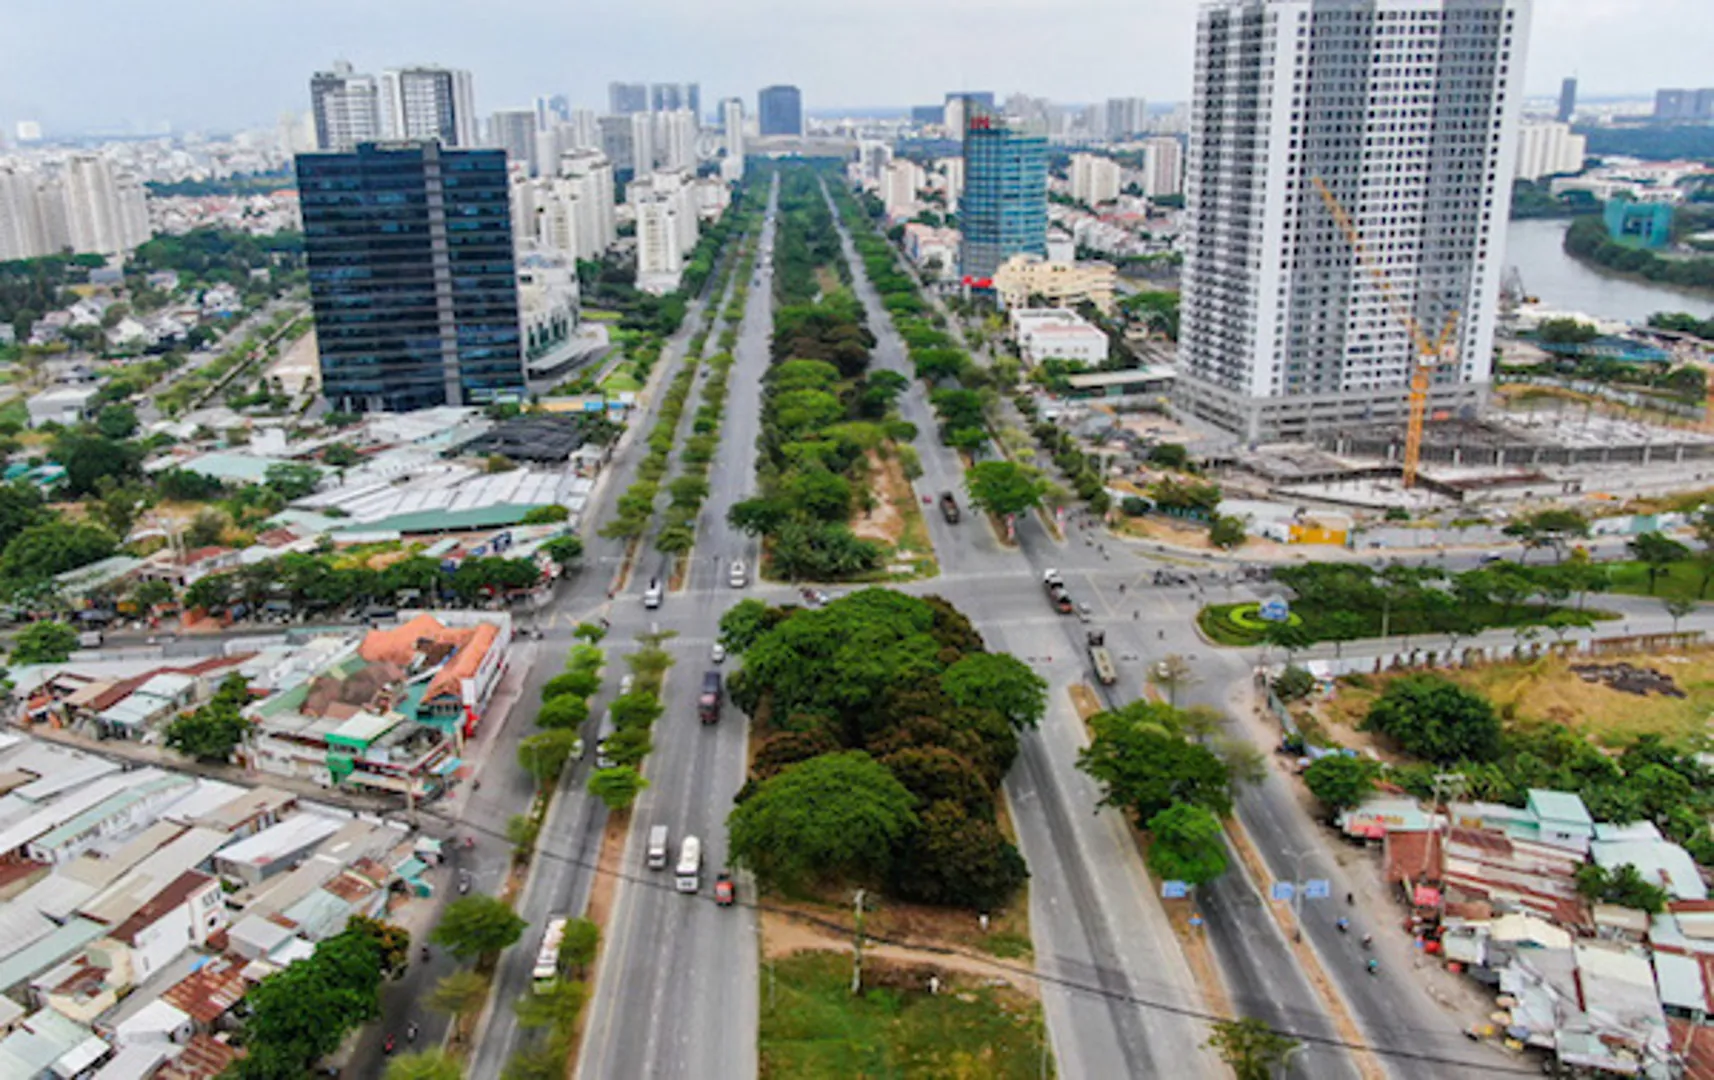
(1163, 166)
(779, 111)
(555, 109)
(644, 152)
(1003, 211)
(1127, 117)
(732, 135)
(675, 139)
(670, 97)
(616, 142)
(1567, 100)
(1407, 110)
(429, 103)
(1684, 104)
(901, 179)
(514, 131)
(1548, 148)
(585, 135)
(571, 213)
(1094, 179)
(346, 106)
(624, 98)
(105, 211)
(412, 275)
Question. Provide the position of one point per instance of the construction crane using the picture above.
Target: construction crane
(1430, 352)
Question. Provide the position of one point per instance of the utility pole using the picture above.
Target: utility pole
(857, 952)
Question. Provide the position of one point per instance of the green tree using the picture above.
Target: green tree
(1340, 781)
(1188, 845)
(744, 622)
(1250, 1048)
(1227, 532)
(291, 479)
(1293, 684)
(215, 729)
(1433, 718)
(954, 858)
(459, 994)
(341, 456)
(21, 506)
(544, 754)
(53, 547)
(117, 421)
(89, 458)
(1003, 488)
(567, 550)
(302, 1012)
(555, 1005)
(998, 681)
(838, 815)
(43, 643)
(1172, 672)
(1678, 608)
(1622, 885)
(1143, 761)
(617, 787)
(564, 711)
(1566, 331)
(1656, 551)
(472, 926)
(578, 946)
(427, 1065)
(545, 515)
(589, 632)
(582, 684)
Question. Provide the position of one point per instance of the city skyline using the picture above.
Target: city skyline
(134, 69)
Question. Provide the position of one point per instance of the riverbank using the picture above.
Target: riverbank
(1536, 248)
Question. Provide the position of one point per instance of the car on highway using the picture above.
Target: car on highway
(657, 847)
(738, 577)
(652, 594)
(725, 893)
(1084, 612)
(717, 652)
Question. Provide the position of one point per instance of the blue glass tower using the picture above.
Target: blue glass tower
(1003, 211)
(412, 277)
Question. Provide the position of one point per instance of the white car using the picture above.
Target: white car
(717, 653)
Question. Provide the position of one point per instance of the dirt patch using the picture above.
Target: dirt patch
(783, 935)
(884, 523)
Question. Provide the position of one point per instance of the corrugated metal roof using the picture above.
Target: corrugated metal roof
(280, 841)
(1679, 979)
(27, 963)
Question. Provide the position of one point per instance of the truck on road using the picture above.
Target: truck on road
(708, 702)
(1101, 659)
(1056, 594)
(949, 507)
(546, 969)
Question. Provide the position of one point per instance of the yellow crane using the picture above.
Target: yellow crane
(1430, 352)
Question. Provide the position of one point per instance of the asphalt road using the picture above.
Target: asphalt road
(677, 992)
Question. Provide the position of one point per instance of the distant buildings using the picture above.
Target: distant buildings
(1003, 211)
(85, 205)
(779, 110)
(346, 107)
(1567, 101)
(671, 97)
(1684, 104)
(429, 103)
(931, 249)
(732, 137)
(1126, 117)
(1548, 148)
(1163, 167)
(667, 206)
(625, 98)
(675, 139)
(1094, 179)
(409, 312)
(1283, 331)
(901, 179)
(514, 131)
(571, 213)
(1056, 333)
(404, 103)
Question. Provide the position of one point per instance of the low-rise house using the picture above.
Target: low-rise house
(1029, 281)
(184, 568)
(1056, 333)
(182, 916)
(65, 405)
(47, 1046)
(275, 849)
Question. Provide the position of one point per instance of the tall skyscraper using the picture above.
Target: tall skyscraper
(1003, 211)
(1547, 148)
(412, 275)
(105, 211)
(429, 103)
(551, 110)
(1094, 179)
(616, 142)
(670, 97)
(346, 106)
(644, 153)
(1408, 112)
(1567, 100)
(624, 98)
(1127, 117)
(675, 139)
(732, 132)
(779, 110)
(1163, 166)
(514, 131)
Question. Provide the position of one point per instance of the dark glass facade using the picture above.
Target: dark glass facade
(1003, 211)
(779, 111)
(412, 276)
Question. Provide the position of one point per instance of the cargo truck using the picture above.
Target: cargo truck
(1101, 659)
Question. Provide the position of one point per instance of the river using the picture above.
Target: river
(1563, 283)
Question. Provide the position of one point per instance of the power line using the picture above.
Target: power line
(1137, 1001)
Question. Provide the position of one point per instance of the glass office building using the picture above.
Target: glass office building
(412, 276)
(1003, 211)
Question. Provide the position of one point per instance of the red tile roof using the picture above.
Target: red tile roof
(1412, 856)
(207, 994)
(203, 1059)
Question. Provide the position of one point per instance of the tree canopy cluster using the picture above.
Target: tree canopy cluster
(1587, 239)
(301, 1013)
(217, 726)
(885, 730)
(319, 583)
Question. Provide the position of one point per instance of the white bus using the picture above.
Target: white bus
(547, 959)
(690, 865)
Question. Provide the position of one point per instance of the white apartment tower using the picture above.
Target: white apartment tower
(346, 107)
(644, 152)
(732, 127)
(1126, 117)
(514, 131)
(901, 179)
(105, 212)
(1094, 179)
(1407, 110)
(429, 103)
(1548, 148)
(675, 139)
(1163, 166)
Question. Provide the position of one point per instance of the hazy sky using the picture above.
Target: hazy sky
(221, 64)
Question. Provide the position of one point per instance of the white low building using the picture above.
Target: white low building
(1056, 333)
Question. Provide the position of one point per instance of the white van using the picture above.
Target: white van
(658, 847)
(604, 732)
(739, 577)
(690, 865)
(652, 594)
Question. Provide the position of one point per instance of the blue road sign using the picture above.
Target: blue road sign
(1282, 890)
(1317, 889)
(1174, 890)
